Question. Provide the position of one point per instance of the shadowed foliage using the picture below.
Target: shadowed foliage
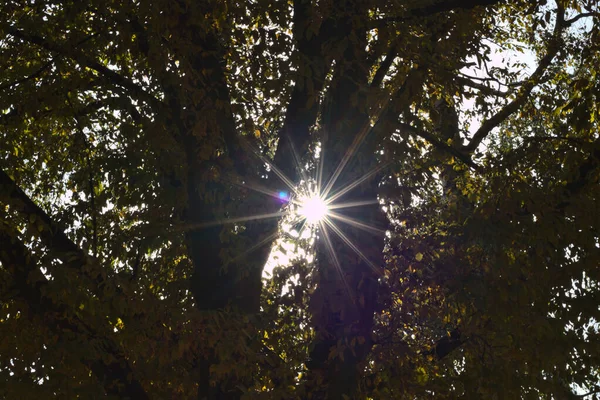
(148, 244)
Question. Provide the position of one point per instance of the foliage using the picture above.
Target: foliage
(142, 148)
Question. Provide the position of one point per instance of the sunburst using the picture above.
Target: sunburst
(311, 208)
(314, 206)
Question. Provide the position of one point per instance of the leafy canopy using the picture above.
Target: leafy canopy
(153, 153)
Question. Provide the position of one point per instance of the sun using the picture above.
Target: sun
(310, 210)
(313, 209)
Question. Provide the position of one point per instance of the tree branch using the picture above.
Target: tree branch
(525, 91)
(29, 77)
(576, 18)
(385, 66)
(82, 59)
(54, 237)
(591, 393)
(440, 145)
(301, 112)
(584, 173)
(437, 8)
(116, 375)
(44, 67)
(450, 5)
(481, 87)
(446, 345)
(91, 179)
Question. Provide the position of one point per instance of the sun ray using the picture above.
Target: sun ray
(256, 187)
(297, 160)
(334, 259)
(347, 156)
(364, 132)
(311, 205)
(330, 223)
(268, 239)
(349, 204)
(320, 168)
(346, 189)
(226, 221)
(272, 166)
(278, 172)
(356, 223)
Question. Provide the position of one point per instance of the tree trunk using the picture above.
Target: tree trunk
(345, 300)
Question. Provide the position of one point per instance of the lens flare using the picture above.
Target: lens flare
(314, 209)
(310, 211)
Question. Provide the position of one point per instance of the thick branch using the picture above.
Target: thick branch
(54, 237)
(576, 18)
(440, 145)
(213, 60)
(345, 311)
(385, 66)
(116, 375)
(446, 345)
(301, 112)
(485, 89)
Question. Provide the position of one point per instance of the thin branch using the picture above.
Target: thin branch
(481, 78)
(33, 75)
(82, 59)
(586, 174)
(523, 95)
(586, 170)
(91, 185)
(446, 345)
(490, 79)
(44, 67)
(450, 5)
(123, 103)
(591, 393)
(573, 140)
(440, 145)
(438, 8)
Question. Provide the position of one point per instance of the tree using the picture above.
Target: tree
(145, 144)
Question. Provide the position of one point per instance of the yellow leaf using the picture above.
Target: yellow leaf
(257, 133)
(419, 257)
